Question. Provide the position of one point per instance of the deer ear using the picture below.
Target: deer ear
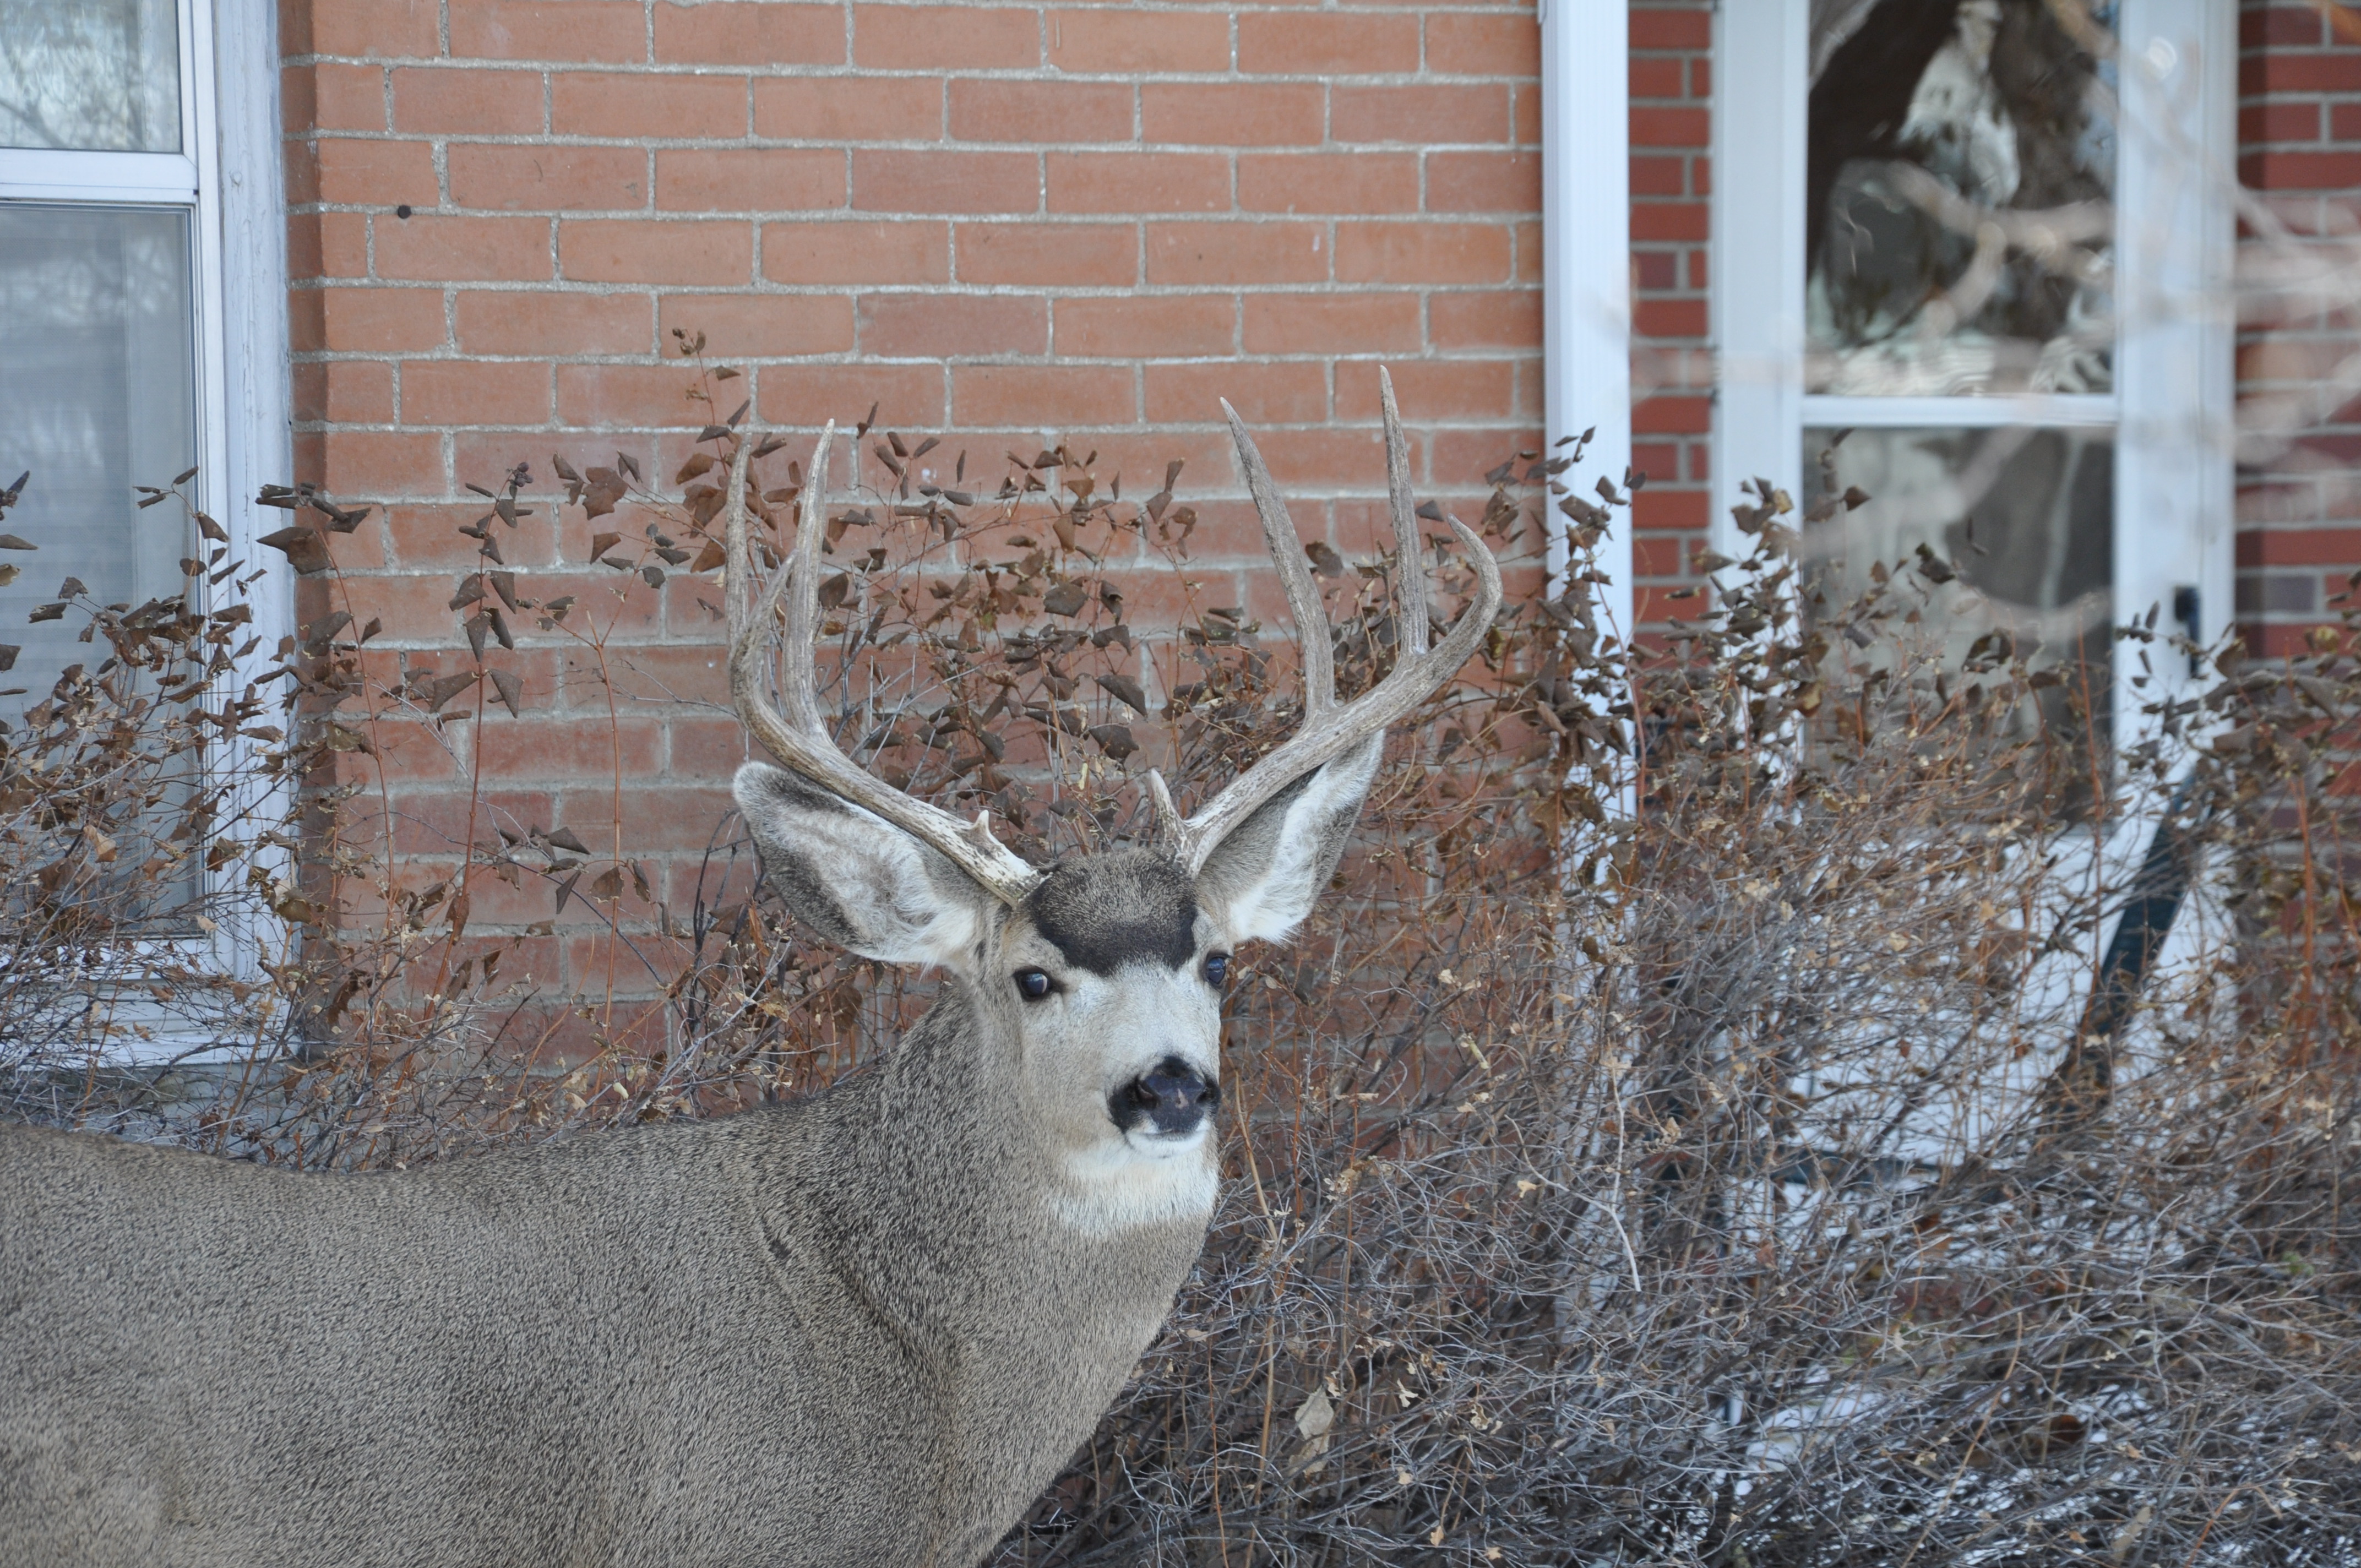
(1261, 881)
(857, 879)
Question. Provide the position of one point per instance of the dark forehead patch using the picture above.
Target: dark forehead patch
(1108, 910)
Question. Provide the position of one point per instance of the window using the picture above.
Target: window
(142, 304)
(1988, 241)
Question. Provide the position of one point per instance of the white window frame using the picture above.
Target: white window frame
(229, 178)
(1586, 267)
(2171, 410)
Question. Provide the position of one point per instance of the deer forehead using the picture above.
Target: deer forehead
(1104, 911)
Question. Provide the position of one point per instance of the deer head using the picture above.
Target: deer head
(1099, 981)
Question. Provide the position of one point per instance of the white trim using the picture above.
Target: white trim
(1586, 264)
(1758, 251)
(2078, 410)
(42, 174)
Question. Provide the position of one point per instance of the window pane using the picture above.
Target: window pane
(94, 75)
(1960, 184)
(97, 394)
(2026, 518)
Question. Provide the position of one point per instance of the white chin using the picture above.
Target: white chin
(1165, 1145)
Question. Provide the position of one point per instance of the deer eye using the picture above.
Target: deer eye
(1032, 984)
(1217, 968)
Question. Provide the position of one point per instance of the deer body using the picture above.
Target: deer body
(865, 1329)
(763, 1338)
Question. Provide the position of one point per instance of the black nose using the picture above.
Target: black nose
(1171, 1096)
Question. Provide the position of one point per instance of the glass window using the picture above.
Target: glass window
(89, 75)
(1958, 203)
(99, 394)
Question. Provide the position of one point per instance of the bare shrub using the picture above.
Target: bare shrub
(1685, 1134)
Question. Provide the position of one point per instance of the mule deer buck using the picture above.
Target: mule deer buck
(864, 1329)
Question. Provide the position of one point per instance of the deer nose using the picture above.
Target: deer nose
(1171, 1097)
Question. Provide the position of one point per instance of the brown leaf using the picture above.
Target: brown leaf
(504, 584)
(697, 463)
(470, 590)
(11, 542)
(608, 886)
(1114, 739)
(303, 546)
(512, 692)
(602, 488)
(1066, 599)
(475, 627)
(711, 556)
(444, 688)
(1324, 559)
(602, 543)
(1126, 689)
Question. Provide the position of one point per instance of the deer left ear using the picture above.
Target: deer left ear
(857, 879)
(1261, 881)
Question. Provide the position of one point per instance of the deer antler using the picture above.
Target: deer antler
(799, 738)
(1330, 730)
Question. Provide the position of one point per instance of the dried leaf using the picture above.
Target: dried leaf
(1126, 689)
(303, 546)
(1114, 739)
(512, 692)
(602, 543)
(1066, 599)
(564, 839)
(1324, 559)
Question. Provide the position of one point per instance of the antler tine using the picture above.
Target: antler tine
(1294, 573)
(799, 739)
(1407, 550)
(1413, 678)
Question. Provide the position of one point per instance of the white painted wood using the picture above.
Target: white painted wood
(2079, 411)
(2175, 519)
(1761, 73)
(1586, 263)
(39, 174)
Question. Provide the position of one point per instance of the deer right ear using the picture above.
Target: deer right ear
(854, 877)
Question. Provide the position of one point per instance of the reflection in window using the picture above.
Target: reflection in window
(1959, 189)
(2024, 518)
(97, 394)
(92, 75)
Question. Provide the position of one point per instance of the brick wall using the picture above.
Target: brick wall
(2299, 149)
(1025, 223)
(1672, 190)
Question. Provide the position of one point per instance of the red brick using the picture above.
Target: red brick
(372, 465)
(1118, 39)
(1673, 415)
(2276, 72)
(1217, 113)
(850, 108)
(1250, 253)
(1041, 396)
(1483, 45)
(1332, 323)
(561, 750)
(1264, 394)
(337, 246)
(938, 327)
(1657, 508)
(1670, 220)
(381, 319)
(1669, 318)
(1323, 457)
(2336, 171)
(768, 325)
(2298, 26)
(1326, 43)
(376, 173)
(442, 100)
(604, 103)
(338, 98)
(1052, 111)
(1429, 389)
(1048, 253)
(1653, 126)
(1668, 29)
(1483, 182)
(546, 321)
(1422, 254)
(1525, 115)
(373, 29)
(609, 30)
(461, 391)
(1146, 326)
(430, 245)
(643, 250)
(769, 180)
(1651, 77)
(948, 38)
(2289, 122)
(539, 177)
(907, 396)
(1660, 176)
(856, 252)
(1328, 182)
(1423, 113)
(348, 391)
(639, 396)
(745, 34)
(897, 182)
(1138, 182)
(1508, 319)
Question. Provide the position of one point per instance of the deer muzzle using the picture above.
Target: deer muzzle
(1171, 1100)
